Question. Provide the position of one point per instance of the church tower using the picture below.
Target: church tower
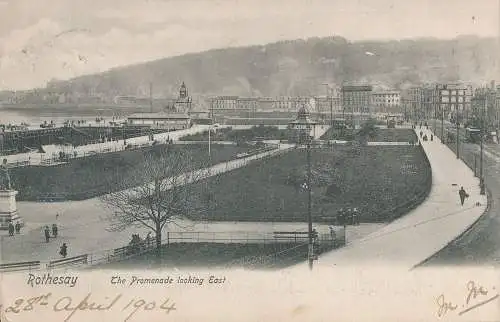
(183, 92)
(183, 102)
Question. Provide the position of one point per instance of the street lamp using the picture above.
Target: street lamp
(303, 126)
(483, 125)
(329, 97)
(209, 141)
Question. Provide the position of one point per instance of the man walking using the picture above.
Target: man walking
(47, 234)
(64, 250)
(462, 195)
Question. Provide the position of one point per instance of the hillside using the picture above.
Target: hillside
(299, 67)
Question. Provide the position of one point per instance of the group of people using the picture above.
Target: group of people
(64, 248)
(16, 228)
(136, 244)
(47, 232)
(424, 136)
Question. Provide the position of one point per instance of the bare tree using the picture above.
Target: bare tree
(170, 177)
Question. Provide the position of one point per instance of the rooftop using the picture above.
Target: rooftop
(356, 88)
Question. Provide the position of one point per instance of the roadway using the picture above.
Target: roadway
(424, 231)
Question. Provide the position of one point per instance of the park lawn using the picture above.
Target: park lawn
(380, 135)
(92, 176)
(383, 182)
(229, 134)
(394, 135)
(218, 255)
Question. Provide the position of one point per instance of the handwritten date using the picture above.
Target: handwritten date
(69, 306)
(476, 296)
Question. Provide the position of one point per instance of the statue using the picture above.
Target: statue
(4, 176)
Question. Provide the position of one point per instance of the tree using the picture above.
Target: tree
(168, 192)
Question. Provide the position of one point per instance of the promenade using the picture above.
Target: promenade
(413, 238)
(82, 224)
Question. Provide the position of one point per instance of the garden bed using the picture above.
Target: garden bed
(92, 176)
(382, 182)
(379, 135)
(218, 255)
(229, 134)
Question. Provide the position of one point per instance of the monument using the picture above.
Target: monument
(8, 206)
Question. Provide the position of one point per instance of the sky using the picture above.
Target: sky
(42, 40)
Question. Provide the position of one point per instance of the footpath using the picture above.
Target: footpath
(82, 224)
(413, 238)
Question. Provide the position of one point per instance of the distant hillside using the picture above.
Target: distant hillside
(299, 67)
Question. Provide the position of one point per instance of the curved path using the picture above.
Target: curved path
(82, 224)
(411, 239)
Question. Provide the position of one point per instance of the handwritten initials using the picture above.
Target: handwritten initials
(444, 306)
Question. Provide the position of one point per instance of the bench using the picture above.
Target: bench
(81, 259)
(21, 266)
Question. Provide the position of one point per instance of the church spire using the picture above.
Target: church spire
(183, 92)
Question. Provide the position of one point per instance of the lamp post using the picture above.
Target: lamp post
(329, 98)
(209, 140)
(442, 124)
(483, 123)
(304, 126)
(458, 139)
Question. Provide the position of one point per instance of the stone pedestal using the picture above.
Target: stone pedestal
(8, 208)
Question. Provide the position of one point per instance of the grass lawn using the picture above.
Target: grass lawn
(93, 176)
(380, 135)
(228, 134)
(213, 255)
(383, 182)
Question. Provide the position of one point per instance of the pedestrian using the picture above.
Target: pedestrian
(18, 227)
(432, 137)
(11, 229)
(332, 232)
(54, 230)
(462, 195)
(64, 250)
(47, 234)
(355, 216)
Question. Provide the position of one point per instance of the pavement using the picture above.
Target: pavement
(480, 245)
(415, 237)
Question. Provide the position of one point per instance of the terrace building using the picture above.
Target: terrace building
(420, 102)
(221, 103)
(484, 109)
(386, 101)
(454, 101)
(332, 102)
(356, 100)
